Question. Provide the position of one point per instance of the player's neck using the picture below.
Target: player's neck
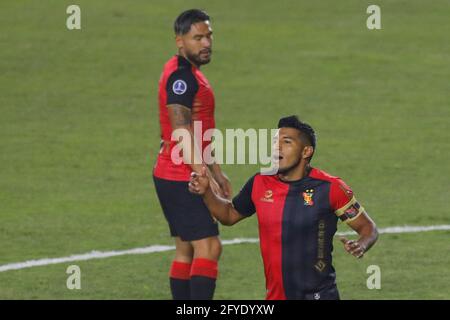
(180, 53)
(297, 173)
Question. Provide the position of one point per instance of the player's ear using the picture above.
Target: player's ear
(308, 152)
(179, 41)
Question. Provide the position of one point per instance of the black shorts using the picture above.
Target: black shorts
(186, 213)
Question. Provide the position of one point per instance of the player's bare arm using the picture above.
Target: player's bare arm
(368, 235)
(222, 180)
(181, 118)
(222, 209)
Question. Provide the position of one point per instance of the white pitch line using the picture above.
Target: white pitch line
(161, 248)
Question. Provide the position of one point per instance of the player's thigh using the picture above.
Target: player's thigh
(164, 192)
(188, 216)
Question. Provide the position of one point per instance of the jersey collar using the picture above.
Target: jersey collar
(294, 182)
(182, 61)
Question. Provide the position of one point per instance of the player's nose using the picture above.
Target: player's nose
(207, 42)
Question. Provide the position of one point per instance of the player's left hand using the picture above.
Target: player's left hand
(353, 247)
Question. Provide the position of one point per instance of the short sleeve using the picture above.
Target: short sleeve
(181, 87)
(243, 202)
(343, 201)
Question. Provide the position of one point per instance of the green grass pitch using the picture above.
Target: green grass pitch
(79, 134)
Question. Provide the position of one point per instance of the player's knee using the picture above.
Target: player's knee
(185, 257)
(210, 248)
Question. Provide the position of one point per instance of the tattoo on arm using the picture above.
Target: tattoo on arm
(179, 115)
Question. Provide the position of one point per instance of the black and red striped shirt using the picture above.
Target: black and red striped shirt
(184, 84)
(297, 221)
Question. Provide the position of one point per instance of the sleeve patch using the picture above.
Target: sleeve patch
(179, 87)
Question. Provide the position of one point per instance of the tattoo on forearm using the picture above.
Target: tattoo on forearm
(181, 115)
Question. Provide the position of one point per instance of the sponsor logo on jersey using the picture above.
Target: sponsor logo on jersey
(268, 196)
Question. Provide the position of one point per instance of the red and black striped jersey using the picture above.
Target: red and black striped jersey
(297, 222)
(184, 84)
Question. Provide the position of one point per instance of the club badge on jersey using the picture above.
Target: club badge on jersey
(308, 197)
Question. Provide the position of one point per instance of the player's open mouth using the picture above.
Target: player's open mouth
(277, 157)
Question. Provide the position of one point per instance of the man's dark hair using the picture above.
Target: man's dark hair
(187, 18)
(307, 133)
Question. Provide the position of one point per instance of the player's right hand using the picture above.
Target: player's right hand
(199, 182)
